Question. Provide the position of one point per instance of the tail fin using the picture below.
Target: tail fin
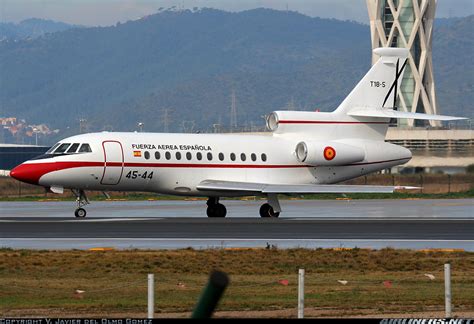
(379, 87)
(376, 94)
(365, 113)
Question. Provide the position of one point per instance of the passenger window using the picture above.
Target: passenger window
(147, 155)
(85, 148)
(243, 157)
(221, 156)
(73, 148)
(199, 156)
(157, 155)
(254, 157)
(178, 156)
(264, 157)
(189, 156)
(52, 148)
(232, 156)
(62, 148)
(168, 155)
(209, 156)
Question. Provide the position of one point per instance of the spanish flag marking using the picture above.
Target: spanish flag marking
(137, 153)
(329, 153)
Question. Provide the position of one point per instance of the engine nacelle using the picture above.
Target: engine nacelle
(328, 153)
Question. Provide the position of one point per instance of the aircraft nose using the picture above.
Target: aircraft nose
(24, 173)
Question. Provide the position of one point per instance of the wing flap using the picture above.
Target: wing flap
(216, 185)
(247, 187)
(390, 113)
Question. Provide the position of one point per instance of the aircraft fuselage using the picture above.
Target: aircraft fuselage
(176, 163)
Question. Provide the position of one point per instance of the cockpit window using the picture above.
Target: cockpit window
(85, 148)
(62, 148)
(52, 148)
(73, 148)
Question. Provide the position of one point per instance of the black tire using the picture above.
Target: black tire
(267, 211)
(221, 210)
(211, 211)
(80, 213)
(217, 210)
(264, 210)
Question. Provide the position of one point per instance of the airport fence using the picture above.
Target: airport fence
(305, 294)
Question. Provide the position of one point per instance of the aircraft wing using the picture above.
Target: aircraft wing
(390, 113)
(263, 188)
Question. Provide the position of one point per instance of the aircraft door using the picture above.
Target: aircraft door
(113, 162)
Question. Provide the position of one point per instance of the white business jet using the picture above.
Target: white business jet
(306, 152)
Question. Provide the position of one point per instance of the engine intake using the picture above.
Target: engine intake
(328, 153)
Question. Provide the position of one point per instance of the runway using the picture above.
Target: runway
(420, 224)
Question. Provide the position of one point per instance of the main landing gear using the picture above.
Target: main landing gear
(272, 208)
(267, 211)
(81, 201)
(215, 209)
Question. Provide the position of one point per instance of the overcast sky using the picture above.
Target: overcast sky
(108, 12)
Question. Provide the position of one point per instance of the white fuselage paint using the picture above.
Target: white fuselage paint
(104, 169)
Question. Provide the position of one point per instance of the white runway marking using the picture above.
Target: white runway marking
(86, 220)
(382, 218)
(92, 220)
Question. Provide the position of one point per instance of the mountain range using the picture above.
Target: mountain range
(31, 28)
(177, 66)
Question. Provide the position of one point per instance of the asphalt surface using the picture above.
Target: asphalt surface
(179, 224)
(396, 209)
(238, 228)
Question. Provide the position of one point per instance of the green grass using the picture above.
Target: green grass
(38, 282)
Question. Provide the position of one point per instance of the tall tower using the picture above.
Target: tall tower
(165, 119)
(233, 111)
(408, 24)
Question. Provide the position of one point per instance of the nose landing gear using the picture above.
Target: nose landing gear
(81, 201)
(215, 209)
(80, 213)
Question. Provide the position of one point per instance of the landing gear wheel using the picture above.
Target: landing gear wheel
(216, 210)
(81, 201)
(267, 211)
(80, 213)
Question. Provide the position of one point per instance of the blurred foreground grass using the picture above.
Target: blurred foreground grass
(44, 283)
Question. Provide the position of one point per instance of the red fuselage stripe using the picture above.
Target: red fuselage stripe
(32, 172)
(210, 165)
(329, 122)
(56, 166)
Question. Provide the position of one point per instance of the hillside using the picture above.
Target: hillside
(189, 62)
(31, 28)
(453, 49)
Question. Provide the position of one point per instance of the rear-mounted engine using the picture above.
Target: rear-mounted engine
(328, 153)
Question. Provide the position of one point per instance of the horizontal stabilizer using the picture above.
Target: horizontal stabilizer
(390, 113)
(262, 188)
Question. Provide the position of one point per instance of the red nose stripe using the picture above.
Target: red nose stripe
(32, 172)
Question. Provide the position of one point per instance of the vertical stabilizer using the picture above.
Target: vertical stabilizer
(379, 87)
